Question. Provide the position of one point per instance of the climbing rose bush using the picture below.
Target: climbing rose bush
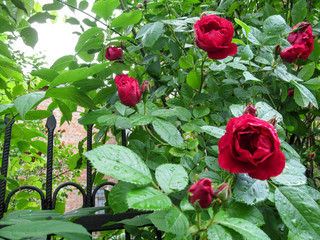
(251, 146)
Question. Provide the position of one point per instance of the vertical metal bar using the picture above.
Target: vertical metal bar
(159, 235)
(89, 203)
(127, 236)
(5, 162)
(124, 138)
(51, 125)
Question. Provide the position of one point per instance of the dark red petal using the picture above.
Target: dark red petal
(272, 167)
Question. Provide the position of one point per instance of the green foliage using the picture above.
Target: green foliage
(173, 133)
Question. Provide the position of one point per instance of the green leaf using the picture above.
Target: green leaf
(293, 173)
(246, 212)
(237, 110)
(201, 111)
(45, 73)
(314, 56)
(117, 197)
(245, 228)
(299, 11)
(41, 17)
(29, 36)
(266, 112)
(121, 163)
(168, 132)
(243, 25)
(126, 19)
(283, 74)
(171, 177)
(307, 71)
(150, 33)
(274, 25)
(43, 228)
(249, 190)
(5, 26)
(158, 220)
(4, 50)
(77, 74)
(148, 198)
(72, 94)
(139, 120)
(4, 107)
(298, 211)
(249, 76)
(91, 117)
(213, 131)
(177, 222)
(63, 62)
(19, 4)
(194, 79)
(104, 9)
(140, 220)
(247, 53)
(83, 5)
(67, 114)
(37, 114)
(217, 232)
(313, 83)
(186, 62)
(53, 6)
(303, 96)
(25, 103)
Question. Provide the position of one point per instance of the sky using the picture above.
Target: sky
(54, 40)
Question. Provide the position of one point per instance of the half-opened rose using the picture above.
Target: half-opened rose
(202, 192)
(291, 54)
(113, 53)
(251, 145)
(214, 34)
(128, 90)
(302, 36)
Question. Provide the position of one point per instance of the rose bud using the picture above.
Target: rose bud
(202, 193)
(251, 110)
(291, 93)
(128, 90)
(145, 87)
(303, 37)
(251, 145)
(113, 53)
(214, 35)
(223, 192)
(277, 50)
(311, 156)
(273, 121)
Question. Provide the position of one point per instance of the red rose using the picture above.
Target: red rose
(291, 54)
(251, 110)
(113, 53)
(302, 36)
(291, 93)
(251, 146)
(214, 34)
(128, 90)
(202, 191)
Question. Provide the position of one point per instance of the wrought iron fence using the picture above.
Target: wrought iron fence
(92, 223)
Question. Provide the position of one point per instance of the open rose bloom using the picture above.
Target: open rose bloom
(251, 146)
(302, 41)
(214, 35)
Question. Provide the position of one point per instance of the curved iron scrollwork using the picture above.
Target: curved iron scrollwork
(48, 199)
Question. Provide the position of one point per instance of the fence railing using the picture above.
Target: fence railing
(48, 198)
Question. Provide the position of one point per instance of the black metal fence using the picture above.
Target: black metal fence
(92, 223)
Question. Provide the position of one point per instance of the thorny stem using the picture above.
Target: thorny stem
(202, 75)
